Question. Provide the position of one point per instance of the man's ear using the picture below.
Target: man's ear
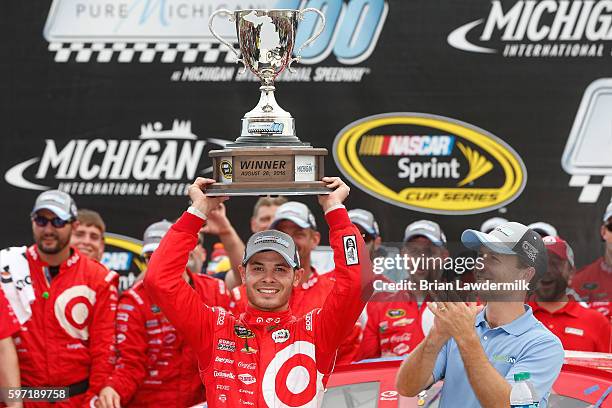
(252, 223)
(529, 274)
(602, 232)
(297, 278)
(242, 271)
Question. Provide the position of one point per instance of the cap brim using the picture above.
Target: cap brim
(54, 209)
(262, 248)
(473, 239)
(607, 216)
(149, 248)
(423, 233)
(366, 228)
(299, 222)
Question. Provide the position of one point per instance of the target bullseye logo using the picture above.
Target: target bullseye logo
(289, 374)
(74, 309)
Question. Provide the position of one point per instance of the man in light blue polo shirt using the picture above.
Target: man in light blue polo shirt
(477, 352)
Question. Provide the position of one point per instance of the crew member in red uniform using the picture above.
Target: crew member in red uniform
(267, 356)
(578, 327)
(594, 282)
(67, 341)
(395, 320)
(156, 368)
(9, 364)
(296, 220)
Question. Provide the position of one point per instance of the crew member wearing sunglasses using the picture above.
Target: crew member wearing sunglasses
(67, 339)
(594, 282)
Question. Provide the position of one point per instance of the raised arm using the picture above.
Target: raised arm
(218, 224)
(164, 278)
(353, 271)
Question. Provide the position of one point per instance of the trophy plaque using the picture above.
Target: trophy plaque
(267, 158)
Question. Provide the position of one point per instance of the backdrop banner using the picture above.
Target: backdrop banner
(449, 111)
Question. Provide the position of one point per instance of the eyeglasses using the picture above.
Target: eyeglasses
(57, 222)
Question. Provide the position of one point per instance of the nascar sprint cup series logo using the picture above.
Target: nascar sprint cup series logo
(429, 163)
(539, 29)
(159, 162)
(176, 31)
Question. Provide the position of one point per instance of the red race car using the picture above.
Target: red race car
(585, 382)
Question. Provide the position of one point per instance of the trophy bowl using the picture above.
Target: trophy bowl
(267, 158)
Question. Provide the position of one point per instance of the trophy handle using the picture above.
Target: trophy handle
(316, 35)
(224, 42)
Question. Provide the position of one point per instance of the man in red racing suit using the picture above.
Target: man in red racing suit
(266, 357)
(68, 341)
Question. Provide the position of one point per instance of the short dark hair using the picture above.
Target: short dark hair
(268, 202)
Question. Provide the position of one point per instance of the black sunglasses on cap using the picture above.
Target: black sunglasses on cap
(57, 222)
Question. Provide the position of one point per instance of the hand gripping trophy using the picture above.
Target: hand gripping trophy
(267, 158)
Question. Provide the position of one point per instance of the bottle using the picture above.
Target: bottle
(534, 392)
(521, 396)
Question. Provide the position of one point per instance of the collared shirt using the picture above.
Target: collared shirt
(523, 345)
(594, 284)
(578, 327)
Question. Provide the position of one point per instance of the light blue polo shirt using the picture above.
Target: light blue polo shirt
(523, 345)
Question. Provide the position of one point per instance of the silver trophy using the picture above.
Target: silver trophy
(266, 39)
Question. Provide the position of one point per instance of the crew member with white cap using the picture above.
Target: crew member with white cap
(67, 337)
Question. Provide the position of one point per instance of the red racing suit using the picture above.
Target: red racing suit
(69, 338)
(262, 359)
(394, 326)
(8, 321)
(304, 298)
(156, 368)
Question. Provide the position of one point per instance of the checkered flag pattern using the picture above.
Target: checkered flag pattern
(209, 53)
(591, 186)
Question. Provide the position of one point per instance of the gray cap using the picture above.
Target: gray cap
(428, 229)
(154, 234)
(365, 220)
(57, 201)
(511, 238)
(544, 229)
(295, 212)
(490, 224)
(272, 240)
(608, 213)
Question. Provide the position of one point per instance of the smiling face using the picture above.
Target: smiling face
(49, 239)
(89, 240)
(269, 281)
(502, 268)
(551, 287)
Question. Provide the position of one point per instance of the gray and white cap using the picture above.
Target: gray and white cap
(511, 238)
(365, 220)
(608, 213)
(154, 234)
(428, 229)
(490, 224)
(59, 202)
(544, 229)
(295, 212)
(272, 240)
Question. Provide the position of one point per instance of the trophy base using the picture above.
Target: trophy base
(265, 189)
(268, 170)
